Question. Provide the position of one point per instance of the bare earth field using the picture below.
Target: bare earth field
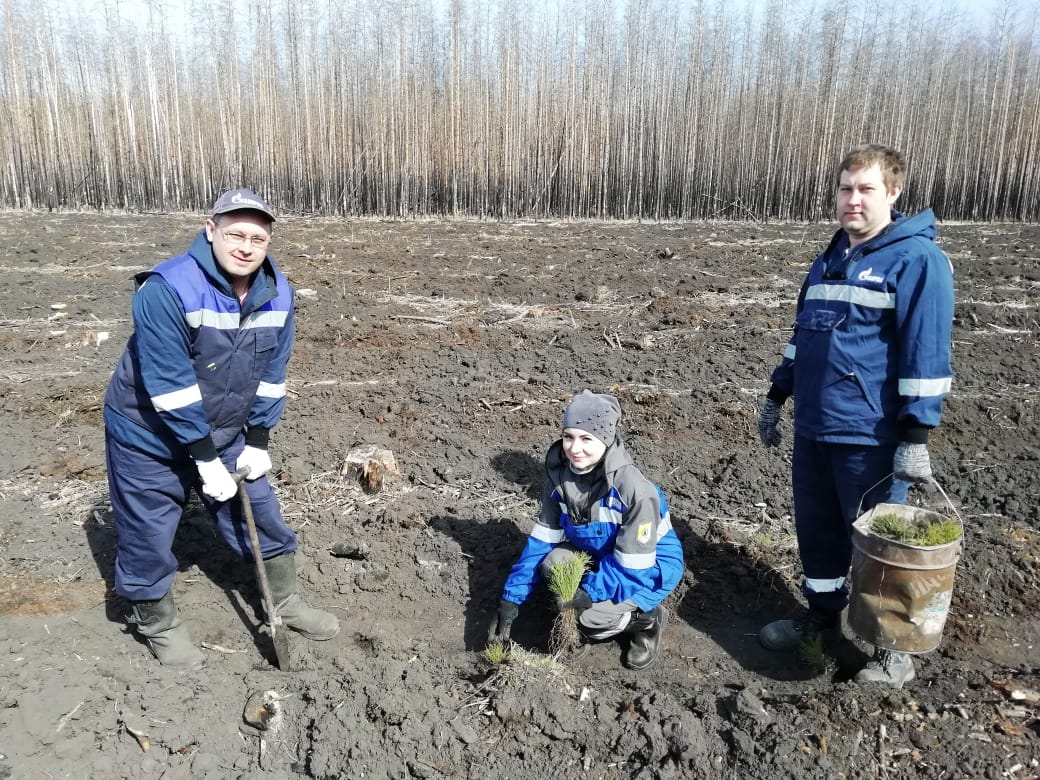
(456, 345)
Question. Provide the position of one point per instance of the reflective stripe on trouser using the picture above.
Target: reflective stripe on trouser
(833, 484)
(148, 498)
(603, 619)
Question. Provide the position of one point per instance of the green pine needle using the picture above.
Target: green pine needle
(564, 578)
(497, 653)
(813, 655)
(923, 534)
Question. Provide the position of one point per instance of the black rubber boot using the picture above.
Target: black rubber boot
(294, 612)
(167, 637)
(646, 629)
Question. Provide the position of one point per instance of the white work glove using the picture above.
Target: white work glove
(768, 420)
(911, 463)
(217, 482)
(255, 461)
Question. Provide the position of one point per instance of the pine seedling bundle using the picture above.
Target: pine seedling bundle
(564, 579)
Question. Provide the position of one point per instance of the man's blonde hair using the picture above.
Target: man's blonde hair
(893, 170)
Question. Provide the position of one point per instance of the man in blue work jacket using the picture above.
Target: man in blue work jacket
(199, 387)
(868, 367)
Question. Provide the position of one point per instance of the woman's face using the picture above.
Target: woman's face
(582, 449)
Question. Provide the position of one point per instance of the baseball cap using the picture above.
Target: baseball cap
(240, 199)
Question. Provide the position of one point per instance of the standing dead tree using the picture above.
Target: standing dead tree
(640, 109)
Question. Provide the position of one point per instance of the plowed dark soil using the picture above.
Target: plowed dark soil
(456, 345)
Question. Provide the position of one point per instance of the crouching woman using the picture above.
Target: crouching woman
(597, 501)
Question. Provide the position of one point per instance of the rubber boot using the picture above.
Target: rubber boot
(785, 635)
(294, 612)
(167, 637)
(646, 629)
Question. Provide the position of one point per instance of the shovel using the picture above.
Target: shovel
(274, 623)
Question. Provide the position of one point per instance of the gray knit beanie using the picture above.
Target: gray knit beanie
(595, 414)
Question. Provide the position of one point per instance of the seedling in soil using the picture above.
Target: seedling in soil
(520, 667)
(564, 579)
(497, 653)
(531, 660)
(923, 534)
(812, 654)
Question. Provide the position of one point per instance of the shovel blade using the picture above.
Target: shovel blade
(280, 640)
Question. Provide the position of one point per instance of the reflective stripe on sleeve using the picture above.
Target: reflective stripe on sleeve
(547, 535)
(178, 399)
(664, 526)
(924, 388)
(269, 390)
(636, 560)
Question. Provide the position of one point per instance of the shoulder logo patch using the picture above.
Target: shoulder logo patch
(643, 532)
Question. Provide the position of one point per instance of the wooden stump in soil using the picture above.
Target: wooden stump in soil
(372, 466)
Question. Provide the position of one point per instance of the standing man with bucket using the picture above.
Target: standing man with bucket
(868, 366)
(193, 399)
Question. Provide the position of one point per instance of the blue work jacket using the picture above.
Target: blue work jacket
(869, 359)
(201, 367)
(626, 530)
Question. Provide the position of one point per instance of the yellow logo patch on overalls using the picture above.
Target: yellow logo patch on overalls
(643, 532)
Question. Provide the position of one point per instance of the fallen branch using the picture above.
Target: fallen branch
(1000, 329)
(431, 320)
(218, 648)
(732, 204)
(882, 733)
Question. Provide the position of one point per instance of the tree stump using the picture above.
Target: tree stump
(371, 465)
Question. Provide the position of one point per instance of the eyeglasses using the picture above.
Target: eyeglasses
(238, 239)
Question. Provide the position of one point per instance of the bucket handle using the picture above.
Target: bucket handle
(939, 487)
(933, 480)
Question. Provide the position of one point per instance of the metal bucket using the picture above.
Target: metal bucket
(900, 593)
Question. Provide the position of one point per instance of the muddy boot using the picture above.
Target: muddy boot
(295, 614)
(888, 668)
(168, 639)
(646, 629)
(786, 635)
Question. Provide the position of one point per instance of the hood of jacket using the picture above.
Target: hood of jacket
(902, 227)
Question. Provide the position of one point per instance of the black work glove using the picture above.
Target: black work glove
(581, 602)
(507, 612)
(769, 422)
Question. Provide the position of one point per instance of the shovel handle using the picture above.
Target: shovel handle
(261, 572)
